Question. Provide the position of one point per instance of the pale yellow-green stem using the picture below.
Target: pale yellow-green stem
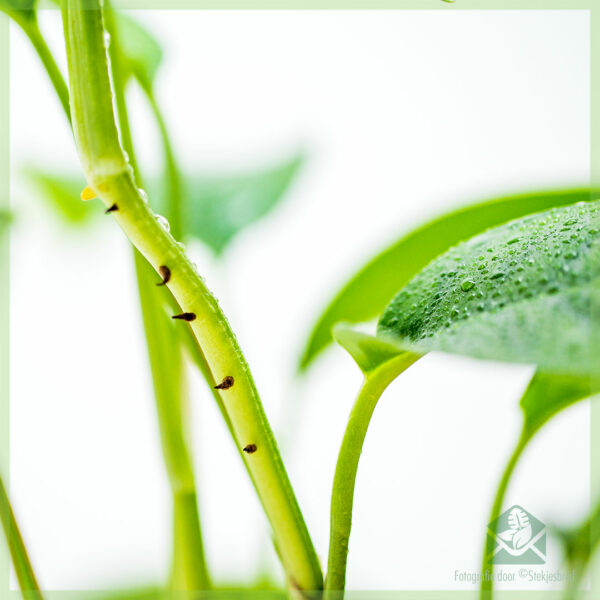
(109, 175)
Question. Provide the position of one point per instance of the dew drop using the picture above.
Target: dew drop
(163, 222)
(106, 38)
(467, 284)
(143, 195)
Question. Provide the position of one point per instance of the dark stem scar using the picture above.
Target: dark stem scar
(250, 448)
(225, 384)
(165, 273)
(185, 316)
(111, 209)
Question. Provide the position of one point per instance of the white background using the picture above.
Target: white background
(403, 115)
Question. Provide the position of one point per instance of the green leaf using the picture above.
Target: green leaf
(368, 352)
(369, 291)
(141, 53)
(216, 209)
(62, 194)
(549, 394)
(520, 292)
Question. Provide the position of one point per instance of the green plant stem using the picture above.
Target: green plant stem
(31, 28)
(172, 175)
(189, 571)
(189, 566)
(109, 174)
(342, 497)
(23, 569)
(487, 584)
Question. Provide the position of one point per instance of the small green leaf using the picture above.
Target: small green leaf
(531, 298)
(547, 395)
(218, 208)
(62, 193)
(369, 291)
(368, 352)
(141, 53)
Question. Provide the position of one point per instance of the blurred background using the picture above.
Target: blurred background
(399, 115)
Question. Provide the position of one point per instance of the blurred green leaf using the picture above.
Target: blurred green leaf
(547, 395)
(368, 292)
(5, 219)
(520, 292)
(141, 53)
(216, 209)
(61, 192)
(580, 544)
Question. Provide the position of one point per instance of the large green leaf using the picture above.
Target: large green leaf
(520, 292)
(369, 291)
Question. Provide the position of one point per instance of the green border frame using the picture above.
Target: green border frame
(586, 5)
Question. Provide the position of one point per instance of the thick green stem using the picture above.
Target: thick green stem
(23, 569)
(109, 174)
(487, 568)
(188, 546)
(342, 497)
(189, 570)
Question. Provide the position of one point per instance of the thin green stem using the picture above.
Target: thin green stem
(172, 175)
(342, 497)
(189, 570)
(487, 568)
(109, 174)
(31, 28)
(23, 569)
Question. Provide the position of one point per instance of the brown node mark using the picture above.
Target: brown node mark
(225, 384)
(186, 316)
(165, 273)
(250, 448)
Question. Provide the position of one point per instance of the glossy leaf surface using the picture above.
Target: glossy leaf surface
(520, 292)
